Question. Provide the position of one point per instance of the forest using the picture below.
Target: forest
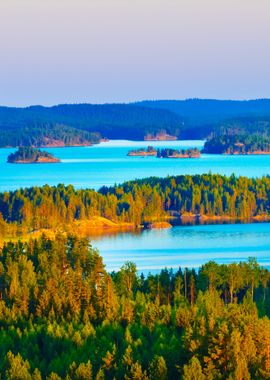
(62, 316)
(136, 202)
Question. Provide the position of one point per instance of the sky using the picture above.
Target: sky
(99, 51)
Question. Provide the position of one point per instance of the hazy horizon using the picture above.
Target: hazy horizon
(102, 51)
(132, 102)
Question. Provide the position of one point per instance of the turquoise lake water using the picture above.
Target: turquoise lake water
(108, 163)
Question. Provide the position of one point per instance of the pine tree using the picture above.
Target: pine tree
(158, 368)
(193, 370)
(17, 368)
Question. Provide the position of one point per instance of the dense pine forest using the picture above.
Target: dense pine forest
(138, 202)
(62, 316)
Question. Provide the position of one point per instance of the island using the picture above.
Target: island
(240, 144)
(182, 153)
(30, 155)
(149, 151)
(166, 152)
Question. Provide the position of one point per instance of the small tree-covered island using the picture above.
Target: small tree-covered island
(166, 152)
(181, 153)
(30, 155)
(149, 151)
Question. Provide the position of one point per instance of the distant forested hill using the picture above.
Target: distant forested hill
(81, 124)
(45, 134)
(204, 111)
(203, 117)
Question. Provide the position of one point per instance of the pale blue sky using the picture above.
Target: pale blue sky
(123, 50)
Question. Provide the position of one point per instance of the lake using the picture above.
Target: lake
(108, 163)
(186, 246)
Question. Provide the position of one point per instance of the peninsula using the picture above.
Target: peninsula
(149, 202)
(241, 144)
(30, 155)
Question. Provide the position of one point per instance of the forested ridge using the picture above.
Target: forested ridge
(39, 134)
(136, 202)
(62, 316)
(202, 112)
(83, 124)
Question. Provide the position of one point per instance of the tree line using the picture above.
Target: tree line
(62, 316)
(136, 202)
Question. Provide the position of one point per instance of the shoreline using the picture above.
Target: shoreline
(83, 145)
(35, 162)
(100, 226)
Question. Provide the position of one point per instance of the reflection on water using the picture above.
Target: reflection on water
(189, 246)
